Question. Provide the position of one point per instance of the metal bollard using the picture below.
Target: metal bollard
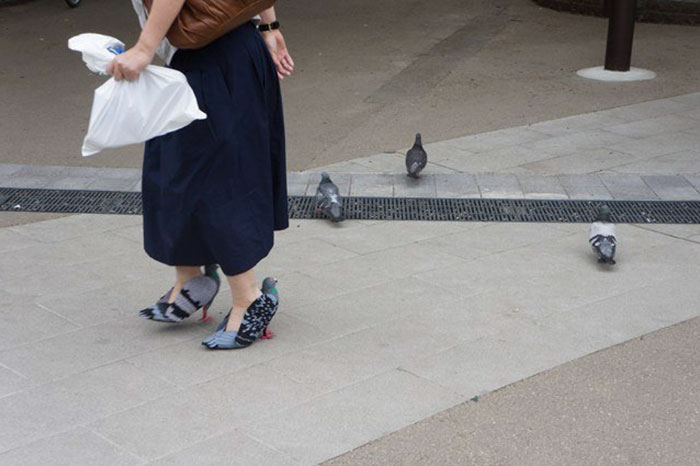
(618, 52)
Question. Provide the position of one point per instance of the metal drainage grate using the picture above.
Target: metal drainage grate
(380, 208)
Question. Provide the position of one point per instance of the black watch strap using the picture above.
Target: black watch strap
(269, 27)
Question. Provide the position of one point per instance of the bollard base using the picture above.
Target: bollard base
(601, 74)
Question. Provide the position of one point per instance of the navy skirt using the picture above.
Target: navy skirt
(215, 191)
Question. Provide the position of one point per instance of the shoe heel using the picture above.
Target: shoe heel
(205, 316)
(267, 334)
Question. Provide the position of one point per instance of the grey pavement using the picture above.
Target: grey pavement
(655, 155)
(382, 325)
(360, 88)
(615, 407)
(436, 312)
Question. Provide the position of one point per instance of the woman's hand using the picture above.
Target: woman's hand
(129, 64)
(280, 55)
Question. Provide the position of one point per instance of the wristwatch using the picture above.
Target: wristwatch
(269, 27)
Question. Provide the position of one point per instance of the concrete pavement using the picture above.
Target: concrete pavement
(369, 76)
(383, 324)
(631, 404)
(405, 320)
(644, 151)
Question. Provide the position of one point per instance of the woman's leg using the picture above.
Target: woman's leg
(244, 291)
(183, 274)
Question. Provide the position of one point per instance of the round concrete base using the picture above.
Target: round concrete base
(601, 74)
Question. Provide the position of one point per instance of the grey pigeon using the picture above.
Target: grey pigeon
(416, 158)
(328, 199)
(602, 236)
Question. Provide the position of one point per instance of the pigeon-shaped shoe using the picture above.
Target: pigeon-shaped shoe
(602, 237)
(328, 199)
(416, 158)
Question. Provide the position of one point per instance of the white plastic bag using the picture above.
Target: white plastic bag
(125, 112)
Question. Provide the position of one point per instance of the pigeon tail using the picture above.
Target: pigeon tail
(415, 169)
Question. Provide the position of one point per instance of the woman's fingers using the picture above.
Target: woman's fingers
(288, 64)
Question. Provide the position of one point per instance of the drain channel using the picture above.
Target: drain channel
(380, 208)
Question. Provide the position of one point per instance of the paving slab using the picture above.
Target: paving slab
(627, 187)
(388, 235)
(379, 185)
(230, 448)
(694, 180)
(575, 142)
(380, 290)
(298, 183)
(576, 123)
(55, 408)
(584, 187)
(10, 168)
(651, 109)
(172, 423)
(12, 381)
(496, 139)
(451, 185)
(298, 434)
(77, 446)
(23, 181)
(671, 187)
(406, 186)
(582, 162)
(499, 186)
(667, 143)
(679, 163)
(653, 126)
(574, 414)
(541, 187)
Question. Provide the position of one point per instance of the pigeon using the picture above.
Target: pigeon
(328, 199)
(416, 158)
(602, 237)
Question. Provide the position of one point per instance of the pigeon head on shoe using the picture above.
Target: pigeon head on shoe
(269, 286)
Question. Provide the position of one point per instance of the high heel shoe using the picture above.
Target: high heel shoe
(255, 321)
(195, 294)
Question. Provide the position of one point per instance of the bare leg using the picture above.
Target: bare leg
(244, 291)
(183, 274)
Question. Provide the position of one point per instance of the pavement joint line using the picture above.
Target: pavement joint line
(18, 374)
(116, 445)
(663, 233)
(57, 314)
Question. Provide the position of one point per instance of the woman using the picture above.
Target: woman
(214, 192)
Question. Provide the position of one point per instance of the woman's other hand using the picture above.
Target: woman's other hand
(130, 64)
(280, 55)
